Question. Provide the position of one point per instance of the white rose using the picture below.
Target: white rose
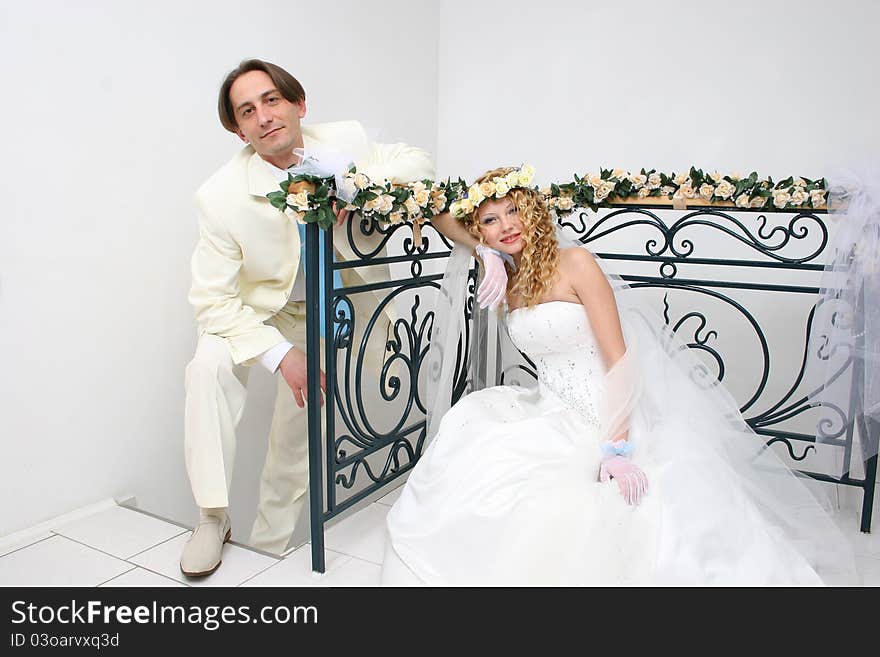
(595, 180)
(654, 181)
(644, 192)
(742, 201)
(781, 198)
(361, 181)
(299, 201)
(706, 191)
(687, 191)
(620, 174)
(386, 203)
(637, 179)
(817, 197)
(373, 204)
(799, 196)
(512, 179)
(758, 202)
(501, 188)
(525, 179)
(395, 218)
(418, 186)
(724, 190)
(667, 189)
(716, 177)
(682, 179)
(528, 170)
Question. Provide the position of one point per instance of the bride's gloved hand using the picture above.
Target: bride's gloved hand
(494, 286)
(631, 480)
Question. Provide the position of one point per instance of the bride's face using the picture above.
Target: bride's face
(500, 225)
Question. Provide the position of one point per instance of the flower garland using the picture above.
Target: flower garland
(694, 187)
(311, 199)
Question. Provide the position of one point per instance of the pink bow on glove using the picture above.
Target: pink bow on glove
(493, 289)
(631, 481)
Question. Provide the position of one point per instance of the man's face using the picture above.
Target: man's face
(266, 120)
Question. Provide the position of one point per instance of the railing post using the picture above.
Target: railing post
(313, 390)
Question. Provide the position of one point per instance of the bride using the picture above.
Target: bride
(627, 464)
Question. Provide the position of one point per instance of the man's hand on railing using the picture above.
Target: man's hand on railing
(341, 213)
(293, 369)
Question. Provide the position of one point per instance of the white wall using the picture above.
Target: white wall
(109, 126)
(569, 87)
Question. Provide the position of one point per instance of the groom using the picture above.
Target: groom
(248, 292)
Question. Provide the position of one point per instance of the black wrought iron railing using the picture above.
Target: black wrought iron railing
(738, 286)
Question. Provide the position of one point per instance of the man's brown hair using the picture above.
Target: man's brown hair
(287, 85)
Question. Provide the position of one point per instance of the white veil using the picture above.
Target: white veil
(660, 388)
(844, 370)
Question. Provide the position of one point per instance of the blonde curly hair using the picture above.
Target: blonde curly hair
(540, 255)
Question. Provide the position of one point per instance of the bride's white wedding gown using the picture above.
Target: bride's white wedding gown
(507, 493)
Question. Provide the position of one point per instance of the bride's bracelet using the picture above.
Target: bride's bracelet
(616, 448)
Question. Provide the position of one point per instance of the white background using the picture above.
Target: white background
(110, 125)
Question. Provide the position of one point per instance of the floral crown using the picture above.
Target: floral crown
(497, 187)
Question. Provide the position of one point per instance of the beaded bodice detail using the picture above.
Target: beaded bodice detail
(558, 338)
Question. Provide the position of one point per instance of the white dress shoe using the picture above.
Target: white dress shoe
(202, 552)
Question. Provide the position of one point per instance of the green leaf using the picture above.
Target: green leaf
(277, 199)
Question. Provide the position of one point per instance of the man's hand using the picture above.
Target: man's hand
(341, 214)
(293, 369)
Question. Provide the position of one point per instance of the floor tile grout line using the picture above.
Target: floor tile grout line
(92, 547)
(153, 547)
(115, 576)
(282, 560)
(24, 547)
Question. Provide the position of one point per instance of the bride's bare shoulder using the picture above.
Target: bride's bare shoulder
(577, 261)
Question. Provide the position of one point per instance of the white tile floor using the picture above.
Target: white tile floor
(115, 546)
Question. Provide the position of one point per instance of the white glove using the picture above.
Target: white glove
(493, 289)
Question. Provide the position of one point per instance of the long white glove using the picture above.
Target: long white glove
(493, 289)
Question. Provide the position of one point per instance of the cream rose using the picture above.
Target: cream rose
(501, 188)
(799, 196)
(620, 174)
(644, 192)
(373, 204)
(467, 206)
(638, 180)
(412, 207)
(758, 202)
(299, 201)
(724, 190)
(395, 218)
(422, 196)
(487, 189)
(361, 181)
(742, 201)
(603, 191)
(781, 198)
(595, 180)
(817, 197)
(654, 181)
(525, 179)
(564, 203)
(667, 189)
(716, 177)
(475, 195)
(682, 179)
(386, 203)
(707, 191)
(528, 170)
(687, 190)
